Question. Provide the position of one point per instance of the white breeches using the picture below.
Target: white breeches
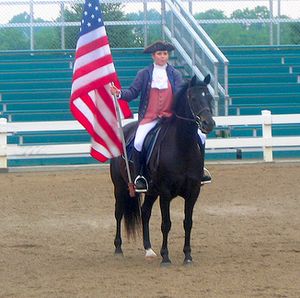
(202, 136)
(143, 130)
(141, 133)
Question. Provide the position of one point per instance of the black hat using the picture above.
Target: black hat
(159, 46)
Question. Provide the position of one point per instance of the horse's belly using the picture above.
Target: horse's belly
(179, 185)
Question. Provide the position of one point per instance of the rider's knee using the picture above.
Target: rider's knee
(138, 145)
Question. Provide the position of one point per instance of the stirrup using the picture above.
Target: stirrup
(141, 184)
(206, 177)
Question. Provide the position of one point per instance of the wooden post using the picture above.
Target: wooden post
(267, 135)
(3, 145)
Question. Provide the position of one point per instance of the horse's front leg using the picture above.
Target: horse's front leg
(146, 214)
(165, 228)
(187, 224)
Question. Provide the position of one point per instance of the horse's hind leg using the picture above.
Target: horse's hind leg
(119, 211)
(146, 214)
(119, 190)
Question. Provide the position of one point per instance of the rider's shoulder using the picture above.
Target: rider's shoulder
(145, 70)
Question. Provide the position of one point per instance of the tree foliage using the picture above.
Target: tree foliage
(153, 32)
(16, 38)
(259, 12)
(243, 33)
(294, 29)
(227, 33)
(110, 12)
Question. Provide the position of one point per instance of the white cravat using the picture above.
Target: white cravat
(159, 77)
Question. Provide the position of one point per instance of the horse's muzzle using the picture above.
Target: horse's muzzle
(206, 125)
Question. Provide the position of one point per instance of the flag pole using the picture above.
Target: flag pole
(130, 183)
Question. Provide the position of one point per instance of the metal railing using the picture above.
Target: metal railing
(195, 49)
(223, 61)
(209, 43)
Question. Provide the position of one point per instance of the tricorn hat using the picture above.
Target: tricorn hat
(159, 46)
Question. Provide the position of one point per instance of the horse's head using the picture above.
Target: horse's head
(200, 103)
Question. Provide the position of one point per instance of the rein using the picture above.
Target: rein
(184, 118)
(195, 117)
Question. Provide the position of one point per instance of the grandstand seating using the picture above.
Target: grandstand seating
(35, 86)
(264, 77)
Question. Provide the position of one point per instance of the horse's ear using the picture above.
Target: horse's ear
(193, 81)
(207, 79)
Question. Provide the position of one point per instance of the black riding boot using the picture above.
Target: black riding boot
(206, 178)
(140, 182)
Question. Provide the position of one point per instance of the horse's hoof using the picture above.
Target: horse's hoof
(165, 264)
(188, 262)
(119, 253)
(150, 254)
(119, 257)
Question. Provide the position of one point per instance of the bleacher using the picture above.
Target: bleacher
(264, 77)
(35, 86)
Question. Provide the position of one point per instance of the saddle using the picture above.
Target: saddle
(149, 142)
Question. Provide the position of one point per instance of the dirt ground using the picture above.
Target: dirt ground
(57, 230)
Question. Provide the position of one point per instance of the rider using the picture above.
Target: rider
(156, 84)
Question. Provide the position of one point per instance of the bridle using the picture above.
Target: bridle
(196, 119)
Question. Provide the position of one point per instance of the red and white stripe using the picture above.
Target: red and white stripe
(91, 102)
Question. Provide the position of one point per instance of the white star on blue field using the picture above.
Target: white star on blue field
(92, 17)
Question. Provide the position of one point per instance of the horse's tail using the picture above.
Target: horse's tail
(132, 215)
(129, 207)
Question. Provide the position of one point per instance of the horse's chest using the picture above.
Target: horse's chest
(180, 185)
(180, 167)
(180, 175)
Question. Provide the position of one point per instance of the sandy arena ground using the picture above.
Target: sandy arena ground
(57, 230)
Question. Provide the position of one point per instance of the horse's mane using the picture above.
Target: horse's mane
(181, 93)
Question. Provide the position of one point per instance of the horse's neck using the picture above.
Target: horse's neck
(185, 127)
(186, 133)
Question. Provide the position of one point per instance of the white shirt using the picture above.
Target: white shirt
(159, 77)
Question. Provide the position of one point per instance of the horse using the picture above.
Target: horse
(175, 169)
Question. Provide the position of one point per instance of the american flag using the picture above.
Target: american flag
(91, 101)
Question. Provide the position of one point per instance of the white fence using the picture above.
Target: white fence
(267, 142)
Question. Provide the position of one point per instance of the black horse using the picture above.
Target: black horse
(174, 169)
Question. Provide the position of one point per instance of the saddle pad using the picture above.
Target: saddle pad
(150, 141)
(148, 146)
